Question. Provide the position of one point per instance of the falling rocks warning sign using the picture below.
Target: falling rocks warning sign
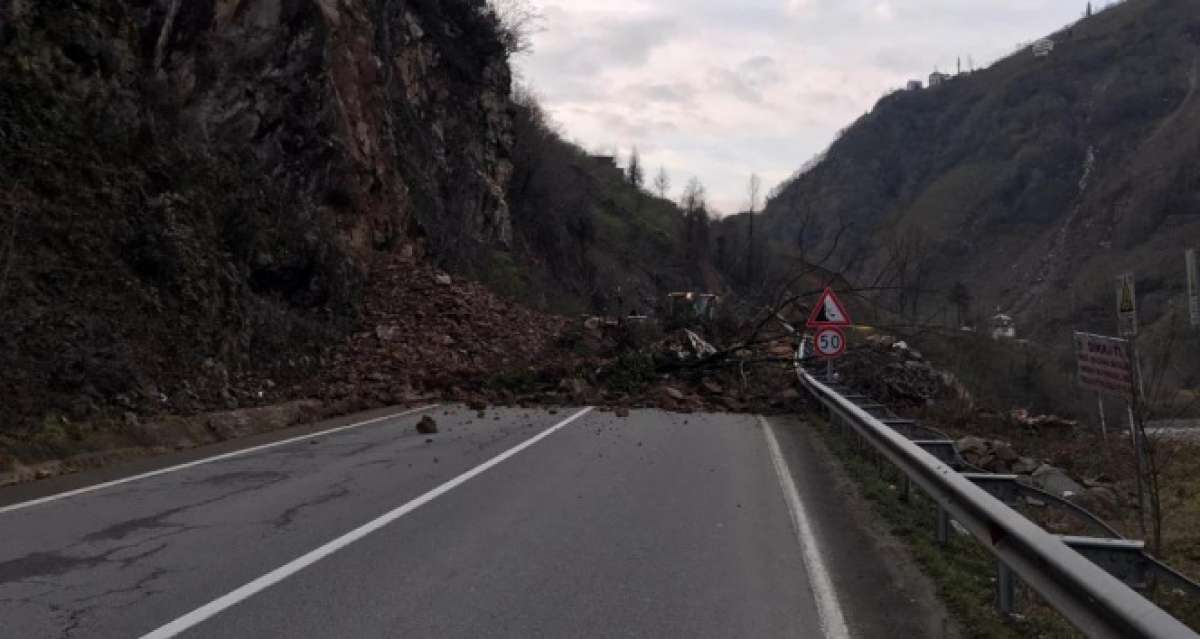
(829, 312)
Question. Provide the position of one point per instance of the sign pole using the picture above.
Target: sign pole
(1141, 488)
(1193, 278)
(1103, 421)
(1139, 443)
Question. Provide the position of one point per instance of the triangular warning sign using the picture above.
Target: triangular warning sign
(829, 312)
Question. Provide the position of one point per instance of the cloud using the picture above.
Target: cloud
(721, 89)
(680, 93)
(883, 11)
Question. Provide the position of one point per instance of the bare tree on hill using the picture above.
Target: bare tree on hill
(518, 21)
(754, 190)
(662, 183)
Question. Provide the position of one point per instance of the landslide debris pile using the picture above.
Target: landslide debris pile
(425, 334)
(894, 373)
(635, 365)
(891, 372)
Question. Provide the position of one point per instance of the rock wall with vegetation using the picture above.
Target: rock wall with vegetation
(194, 189)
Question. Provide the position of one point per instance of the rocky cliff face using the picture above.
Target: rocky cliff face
(198, 187)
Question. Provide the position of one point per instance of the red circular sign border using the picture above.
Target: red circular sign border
(817, 340)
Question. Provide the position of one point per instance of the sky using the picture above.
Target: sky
(720, 90)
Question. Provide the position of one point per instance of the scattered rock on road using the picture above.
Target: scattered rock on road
(427, 426)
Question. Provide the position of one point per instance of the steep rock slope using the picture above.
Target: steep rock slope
(193, 189)
(1033, 182)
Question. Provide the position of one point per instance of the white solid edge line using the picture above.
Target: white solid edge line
(225, 602)
(207, 460)
(833, 622)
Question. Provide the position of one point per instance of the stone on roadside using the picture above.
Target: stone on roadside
(574, 387)
(1005, 453)
(443, 280)
(1055, 481)
(674, 393)
(789, 395)
(1025, 466)
(1102, 501)
(972, 447)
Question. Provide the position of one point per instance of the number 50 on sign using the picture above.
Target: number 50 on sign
(830, 343)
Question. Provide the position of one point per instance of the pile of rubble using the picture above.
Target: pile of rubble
(681, 372)
(1022, 417)
(426, 334)
(895, 374)
(995, 456)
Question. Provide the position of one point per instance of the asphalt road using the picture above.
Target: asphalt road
(518, 524)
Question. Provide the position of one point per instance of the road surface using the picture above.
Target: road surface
(522, 523)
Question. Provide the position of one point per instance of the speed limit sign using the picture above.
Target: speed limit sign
(830, 343)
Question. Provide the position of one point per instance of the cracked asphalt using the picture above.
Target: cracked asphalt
(655, 525)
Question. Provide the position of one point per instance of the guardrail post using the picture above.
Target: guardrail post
(943, 526)
(1006, 589)
(906, 492)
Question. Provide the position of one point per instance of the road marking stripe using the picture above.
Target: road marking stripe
(221, 604)
(833, 622)
(208, 460)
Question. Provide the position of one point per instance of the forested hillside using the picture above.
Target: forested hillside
(1029, 184)
(590, 236)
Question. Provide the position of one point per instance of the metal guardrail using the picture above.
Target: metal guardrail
(1095, 601)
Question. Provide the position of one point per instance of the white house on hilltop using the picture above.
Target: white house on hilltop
(1003, 327)
(938, 78)
(1043, 48)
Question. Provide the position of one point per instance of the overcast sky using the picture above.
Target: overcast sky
(719, 89)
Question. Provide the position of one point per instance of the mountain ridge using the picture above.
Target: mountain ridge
(1033, 181)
